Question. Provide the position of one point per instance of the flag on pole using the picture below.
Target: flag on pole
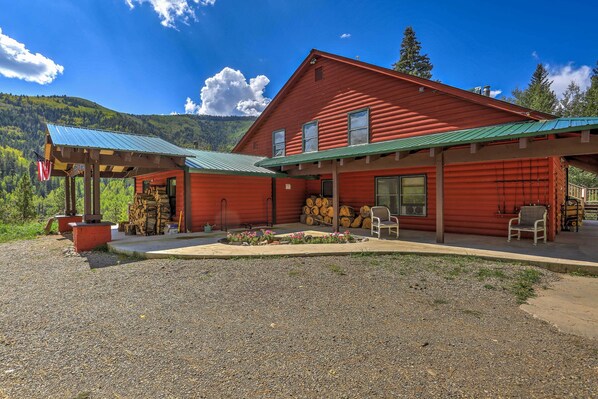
(44, 168)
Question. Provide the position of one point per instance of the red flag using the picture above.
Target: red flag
(44, 170)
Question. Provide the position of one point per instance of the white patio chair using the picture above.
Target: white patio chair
(382, 219)
(531, 219)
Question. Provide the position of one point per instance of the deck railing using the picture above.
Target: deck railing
(584, 194)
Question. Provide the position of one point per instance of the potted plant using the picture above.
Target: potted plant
(207, 228)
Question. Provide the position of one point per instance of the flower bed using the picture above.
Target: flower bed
(268, 237)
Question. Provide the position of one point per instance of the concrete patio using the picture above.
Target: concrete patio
(569, 252)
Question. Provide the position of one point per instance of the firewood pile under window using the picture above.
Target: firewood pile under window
(149, 212)
(319, 211)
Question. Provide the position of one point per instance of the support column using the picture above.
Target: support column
(87, 193)
(440, 197)
(73, 196)
(67, 196)
(96, 191)
(335, 195)
(187, 196)
(273, 196)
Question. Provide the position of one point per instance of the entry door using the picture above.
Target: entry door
(171, 192)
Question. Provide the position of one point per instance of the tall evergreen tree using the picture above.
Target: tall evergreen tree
(573, 102)
(23, 199)
(538, 95)
(411, 60)
(591, 97)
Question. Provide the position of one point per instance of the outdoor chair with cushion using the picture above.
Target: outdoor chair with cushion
(382, 219)
(531, 219)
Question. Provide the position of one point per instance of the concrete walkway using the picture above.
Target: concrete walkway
(570, 252)
(570, 304)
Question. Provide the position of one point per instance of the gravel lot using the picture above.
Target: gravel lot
(101, 326)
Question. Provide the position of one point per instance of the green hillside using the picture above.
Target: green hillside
(23, 118)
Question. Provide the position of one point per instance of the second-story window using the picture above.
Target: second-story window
(278, 143)
(310, 137)
(359, 127)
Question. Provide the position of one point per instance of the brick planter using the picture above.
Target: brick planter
(64, 222)
(87, 236)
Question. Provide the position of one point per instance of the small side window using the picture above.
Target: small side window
(278, 144)
(145, 185)
(327, 188)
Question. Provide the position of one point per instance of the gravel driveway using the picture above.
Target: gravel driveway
(101, 326)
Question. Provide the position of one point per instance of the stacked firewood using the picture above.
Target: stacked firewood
(150, 211)
(319, 210)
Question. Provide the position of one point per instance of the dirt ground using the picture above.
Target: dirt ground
(100, 326)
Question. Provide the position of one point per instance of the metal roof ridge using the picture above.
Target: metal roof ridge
(109, 131)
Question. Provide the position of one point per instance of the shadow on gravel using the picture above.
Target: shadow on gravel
(101, 258)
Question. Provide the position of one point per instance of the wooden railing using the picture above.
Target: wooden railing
(584, 194)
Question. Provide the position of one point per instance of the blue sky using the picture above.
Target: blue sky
(138, 56)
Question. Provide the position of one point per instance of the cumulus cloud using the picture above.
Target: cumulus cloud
(495, 93)
(562, 76)
(16, 61)
(229, 93)
(345, 36)
(171, 11)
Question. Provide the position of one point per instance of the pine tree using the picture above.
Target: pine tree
(573, 102)
(538, 95)
(411, 60)
(23, 205)
(591, 97)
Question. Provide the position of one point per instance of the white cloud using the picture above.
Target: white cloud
(494, 93)
(228, 93)
(345, 36)
(535, 55)
(16, 61)
(562, 76)
(171, 11)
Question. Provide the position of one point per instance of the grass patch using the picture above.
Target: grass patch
(581, 273)
(474, 313)
(22, 231)
(294, 273)
(440, 301)
(336, 269)
(484, 273)
(523, 288)
(362, 254)
(489, 287)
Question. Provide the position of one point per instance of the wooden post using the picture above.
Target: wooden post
(73, 196)
(273, 196)
(439, 197)
(67, 196)
(335, 195)
(187, 196)
(87, 192)
(96, 190)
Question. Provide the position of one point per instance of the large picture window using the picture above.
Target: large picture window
(278, 143)
(359, 127)
(310, 137)
(403, 195)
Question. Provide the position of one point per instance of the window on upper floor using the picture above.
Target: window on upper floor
(278, 143)
(359, 127)
(310, 137)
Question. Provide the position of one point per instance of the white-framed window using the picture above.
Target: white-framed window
(310, 136)
(403, 195)
(278, 143)
(359, 127)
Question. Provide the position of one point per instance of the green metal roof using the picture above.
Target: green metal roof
(69, 136)
(227, 163)
(447, 139)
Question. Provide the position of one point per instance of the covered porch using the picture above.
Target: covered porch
(574, 140)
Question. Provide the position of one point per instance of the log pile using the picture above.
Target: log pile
(149, 212)
(319, 211)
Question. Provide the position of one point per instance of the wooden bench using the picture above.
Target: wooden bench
(531, 219)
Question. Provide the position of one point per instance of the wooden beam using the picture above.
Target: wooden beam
(94, 155)
(585, 136)
(116, 159)
(335, 196)
(66, 152)
(87, 192)
(523, 142)
(67, 196)
(73, 195)
(439, 160)
(399, 155)
(156, 159)
(300, 166)
(96, 190)
(474, 148)
(319, 164)
(128, 156)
